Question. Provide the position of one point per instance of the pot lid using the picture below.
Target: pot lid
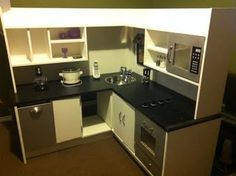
(70, 70)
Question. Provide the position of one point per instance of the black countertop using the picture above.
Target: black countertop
(177, 113)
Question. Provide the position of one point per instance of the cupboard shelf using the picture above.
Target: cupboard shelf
(158, 49)
(163, 70)
(59, 41)
(94, 125)
(22, 61)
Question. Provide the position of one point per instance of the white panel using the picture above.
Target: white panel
(191, 150)
(220, 47)
(189, 21)
(67, 118)
(20, 134)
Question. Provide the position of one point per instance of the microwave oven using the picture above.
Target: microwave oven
(185, 55)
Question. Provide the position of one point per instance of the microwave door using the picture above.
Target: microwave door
(181, 57)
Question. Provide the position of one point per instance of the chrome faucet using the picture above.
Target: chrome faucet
(123, 71)
(125, 74)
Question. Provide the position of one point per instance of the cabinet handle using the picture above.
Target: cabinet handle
(36, 111)
(120, 117)
(123, 119)
(169, 54)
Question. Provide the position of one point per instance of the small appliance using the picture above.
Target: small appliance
(185, 55)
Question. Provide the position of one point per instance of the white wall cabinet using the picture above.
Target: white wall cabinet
(34, 46)
(68, 126)
(123, 121)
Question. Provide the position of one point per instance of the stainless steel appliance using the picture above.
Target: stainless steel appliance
(149, 143)
(185, 55)
(37, 126)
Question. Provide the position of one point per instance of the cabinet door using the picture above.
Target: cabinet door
(123, 121)
(117, 107)
(128, 122)
(37, 126)
(67, 118)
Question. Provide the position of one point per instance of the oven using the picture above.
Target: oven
(149, 143)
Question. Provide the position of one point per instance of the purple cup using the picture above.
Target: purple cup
(74, 33)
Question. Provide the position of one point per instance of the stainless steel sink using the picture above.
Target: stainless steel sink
(119, 79)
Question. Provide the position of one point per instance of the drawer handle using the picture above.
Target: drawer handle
(120, 117)
(36, 111)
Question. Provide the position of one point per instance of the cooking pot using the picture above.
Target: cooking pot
(71, 76)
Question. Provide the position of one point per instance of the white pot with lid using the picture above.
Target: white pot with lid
(71, 75)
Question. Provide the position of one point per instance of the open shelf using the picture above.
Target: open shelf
(67, 41)
(94, 125)
(152, 65)
(158, 49)
(38, 46)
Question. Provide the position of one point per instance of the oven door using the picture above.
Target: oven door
(149, 138)
(185, 55)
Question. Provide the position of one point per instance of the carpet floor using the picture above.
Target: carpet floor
(101, 158)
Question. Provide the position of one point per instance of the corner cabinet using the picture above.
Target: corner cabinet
(35, 46)
(123, 121)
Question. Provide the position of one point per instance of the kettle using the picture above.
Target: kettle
(71, 75)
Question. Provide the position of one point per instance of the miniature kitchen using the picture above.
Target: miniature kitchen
(155, 78)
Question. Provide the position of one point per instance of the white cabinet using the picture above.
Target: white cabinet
(123, 121)
(156, 53)
(34, 46)
(67, 119)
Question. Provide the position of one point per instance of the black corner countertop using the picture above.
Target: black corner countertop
(176, 114)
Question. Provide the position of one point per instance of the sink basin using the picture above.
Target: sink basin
(119, 79)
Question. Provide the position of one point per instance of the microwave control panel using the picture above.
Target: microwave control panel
(195, 59)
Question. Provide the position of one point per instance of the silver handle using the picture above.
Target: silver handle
(123, 119)
(36, 111)
(120, 117)
(150, 129)
(169, 54)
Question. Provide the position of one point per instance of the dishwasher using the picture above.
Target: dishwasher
(37, 126)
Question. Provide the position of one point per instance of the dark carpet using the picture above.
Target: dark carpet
(101, 158)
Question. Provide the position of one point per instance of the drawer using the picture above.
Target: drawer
(149, 163)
